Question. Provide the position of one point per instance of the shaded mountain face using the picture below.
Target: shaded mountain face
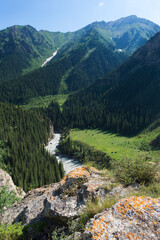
(83, 56)
(91, 56)
(22, 49)
(124, 101)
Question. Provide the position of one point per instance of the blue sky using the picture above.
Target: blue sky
(71, 15)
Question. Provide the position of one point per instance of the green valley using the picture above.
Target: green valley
(80, 132)
(119, 147)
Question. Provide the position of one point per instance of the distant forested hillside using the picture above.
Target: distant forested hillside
(22, 49)
(86, 66)
(124, 101)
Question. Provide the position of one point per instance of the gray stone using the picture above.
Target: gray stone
(130, 218)
(6, 181)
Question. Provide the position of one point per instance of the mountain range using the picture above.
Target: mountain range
(125, 100)
(83, 56)
(106, 80)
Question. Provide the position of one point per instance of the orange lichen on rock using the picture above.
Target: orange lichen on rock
(74, 180)
(131, 218)
(77, 173)
(139, 204)
(94, 170)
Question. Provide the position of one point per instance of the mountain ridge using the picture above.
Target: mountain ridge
(125, 100)
(83, 56)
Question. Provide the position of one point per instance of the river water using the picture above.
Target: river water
(68, 163)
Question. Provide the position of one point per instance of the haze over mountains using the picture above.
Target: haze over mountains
(83, 56)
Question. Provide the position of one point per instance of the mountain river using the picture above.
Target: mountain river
(68, 163)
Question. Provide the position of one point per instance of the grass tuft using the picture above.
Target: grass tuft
(92, 208)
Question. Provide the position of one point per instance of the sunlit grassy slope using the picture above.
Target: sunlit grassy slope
(119, 147)
(45, 101)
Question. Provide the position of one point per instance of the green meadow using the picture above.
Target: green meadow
(119, 147)
(42, 102)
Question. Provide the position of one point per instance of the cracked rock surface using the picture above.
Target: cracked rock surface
(131, 218)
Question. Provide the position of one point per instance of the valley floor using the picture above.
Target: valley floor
(119, 147)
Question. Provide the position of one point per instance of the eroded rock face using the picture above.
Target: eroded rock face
(131, 218)
(6, 181)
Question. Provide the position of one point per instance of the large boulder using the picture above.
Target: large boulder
(130, 218)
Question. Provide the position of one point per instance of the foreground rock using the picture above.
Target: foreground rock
(130, 218)
(6, 181)
(60, 201)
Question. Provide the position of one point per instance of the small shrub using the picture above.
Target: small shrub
(33, 229)
(56, 235)
(140, 170)
(7, 198)
(92, 208)
(11, 232)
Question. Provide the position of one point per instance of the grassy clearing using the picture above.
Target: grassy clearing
(120, 147)
(42, 102)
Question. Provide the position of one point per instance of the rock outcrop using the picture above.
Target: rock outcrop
(131, 218)
(6, 181)
(58, 203)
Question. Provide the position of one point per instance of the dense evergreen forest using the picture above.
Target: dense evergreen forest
(84, 110)
(124, 101)
(83, 56)
(24, 134)
(82, 66)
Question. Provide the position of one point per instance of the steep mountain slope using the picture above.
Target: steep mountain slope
(126, 34)
(71, 70)
(91, 56)
(22, 49)
(131, 32)
(122, 37)
(83, 56)
(123, 101)
(59, 38)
